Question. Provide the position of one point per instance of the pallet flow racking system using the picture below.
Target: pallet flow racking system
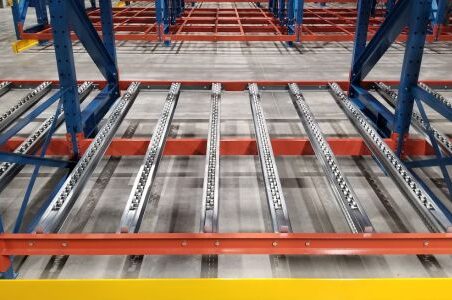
(383, 134)
(293, 21)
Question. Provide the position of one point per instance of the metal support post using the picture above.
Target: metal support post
(418, 22)
(160, 15)
(66, 69)
(389, 6)
(295, 18)
(281, 11)
(41, 12)
(362, 27)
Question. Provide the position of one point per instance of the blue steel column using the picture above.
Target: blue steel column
(418, 22)
(281, 10)
(160, 11)
(41, 12)
(295, 17)
(108, 36)
(17, 9)
(389, 6)
(364, 11)
(59, 11)
(441, 11)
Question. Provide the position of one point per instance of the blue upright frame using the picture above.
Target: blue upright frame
(414, 14)
(289, 16)
(68, 16)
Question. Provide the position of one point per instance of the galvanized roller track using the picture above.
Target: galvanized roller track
(353, 211)
(274, 193)
(141, 191)
(437, 95)
(35, 140)
(59, 207)
(209, 214)
(415, 193)
(5, 86)
(24, 104)
(416, 119)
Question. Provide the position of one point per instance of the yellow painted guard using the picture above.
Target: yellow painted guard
(22, 45)
(228, 289)
(120, 4)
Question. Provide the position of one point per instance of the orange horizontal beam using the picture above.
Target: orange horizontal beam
(245, 146)
(228, 85)
(226, 243)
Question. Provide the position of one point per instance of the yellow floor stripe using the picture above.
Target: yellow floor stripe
(229, 289)
(22, 45)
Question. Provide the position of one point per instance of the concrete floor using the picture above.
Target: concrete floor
(176, 195)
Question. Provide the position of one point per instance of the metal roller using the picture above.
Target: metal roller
(415, 193)
(416, 119)
(275, 196)
(141, 191)
(24, 104)
(35, 140)
(353, 211)
(61, 204)
(209, 214)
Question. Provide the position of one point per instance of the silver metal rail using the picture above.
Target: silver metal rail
(141, 191)
(35, 140)
(435, 94)
(353, 211)
(61, 204)
(209, 214)
(274, 193)
(416, 119)
(5, 86)
(24, 104)
(418, 197)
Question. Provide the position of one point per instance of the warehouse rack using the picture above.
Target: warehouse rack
(383, 134)
(179, 21)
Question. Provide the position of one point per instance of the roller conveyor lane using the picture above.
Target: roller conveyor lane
(61, 204)
(435, 94)
(5, 86)
(141, 191)
(275, 196)
(24, 104)
(353, 211)
(418, 197)
(209, 214)
(35, 140)
(416, 119)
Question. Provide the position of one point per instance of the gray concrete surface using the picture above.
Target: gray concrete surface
(176, 195)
